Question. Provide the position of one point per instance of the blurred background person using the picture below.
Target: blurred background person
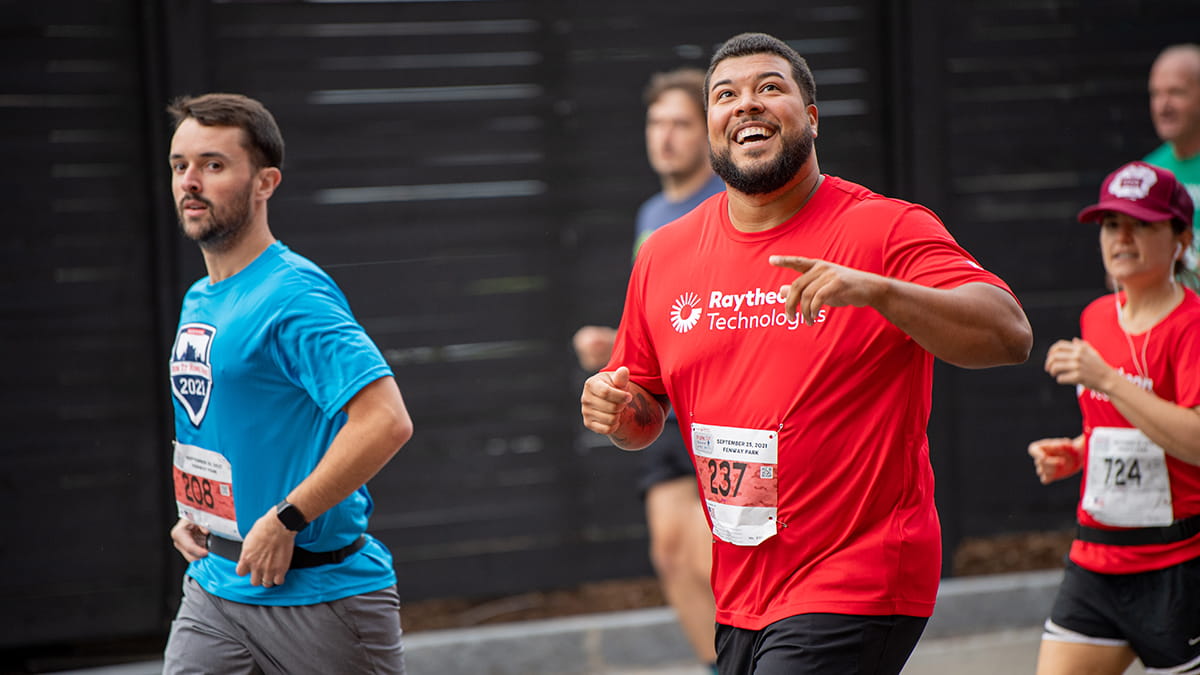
(1131, 582)
(680, 541)
(1175, 110)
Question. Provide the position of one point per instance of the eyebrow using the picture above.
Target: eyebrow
(760, 76)
(211, 153)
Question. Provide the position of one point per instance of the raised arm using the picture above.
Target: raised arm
(975, 325)
(1174, 428)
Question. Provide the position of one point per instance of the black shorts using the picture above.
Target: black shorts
(845, 644)
(665, 459)
(1156, 613)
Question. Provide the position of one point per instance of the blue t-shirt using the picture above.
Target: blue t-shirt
(658, 211)
(263, 364)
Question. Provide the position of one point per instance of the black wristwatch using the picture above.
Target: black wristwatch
(290, 516)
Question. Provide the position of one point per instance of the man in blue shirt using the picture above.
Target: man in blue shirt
(680, 541)
(284, 409)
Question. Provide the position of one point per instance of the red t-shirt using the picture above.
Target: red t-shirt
(846, 400)
(1167, 359)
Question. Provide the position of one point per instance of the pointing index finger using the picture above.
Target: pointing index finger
(795, 262)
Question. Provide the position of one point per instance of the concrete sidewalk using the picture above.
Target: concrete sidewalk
(988, 625)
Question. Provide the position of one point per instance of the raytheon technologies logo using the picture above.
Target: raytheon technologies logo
(685, 313)
(742, 310)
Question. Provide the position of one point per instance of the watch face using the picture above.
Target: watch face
(290, 516)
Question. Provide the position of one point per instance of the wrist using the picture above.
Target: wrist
(290, 516)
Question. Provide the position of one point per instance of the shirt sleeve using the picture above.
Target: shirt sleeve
(1186, 362)
(634, 345)
(920, 250)
(324, 350)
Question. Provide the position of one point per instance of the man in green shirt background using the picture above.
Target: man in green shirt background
(1175, 110)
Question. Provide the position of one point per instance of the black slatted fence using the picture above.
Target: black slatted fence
(468, 172)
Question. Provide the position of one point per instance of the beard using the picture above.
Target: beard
(223, 225)
(768, 176)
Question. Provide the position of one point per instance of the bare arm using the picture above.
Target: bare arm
(630, 416)
(1175, 428)
(976, 325)
(377, 425)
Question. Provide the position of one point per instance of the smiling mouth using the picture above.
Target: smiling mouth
(753, 134)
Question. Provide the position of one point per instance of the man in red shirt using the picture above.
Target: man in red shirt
(803, 398)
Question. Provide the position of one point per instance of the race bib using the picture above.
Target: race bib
(1127, 480)
(204, 490)
(736, 469)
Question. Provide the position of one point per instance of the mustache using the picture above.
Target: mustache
(194, 198)
(758, 119)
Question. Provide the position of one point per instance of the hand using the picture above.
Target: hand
(1056, 458)
(825, 284)
(267, 551)
(593, 345)
(190, 540)
(605, 397)
(1077, 362)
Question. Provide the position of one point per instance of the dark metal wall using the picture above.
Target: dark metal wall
(83, 549)
(1020, 111)
(468, 172)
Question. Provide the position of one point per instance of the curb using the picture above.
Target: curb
(588, 644)
(648, 638)
(970, 605)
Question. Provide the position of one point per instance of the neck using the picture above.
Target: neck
(758, 213)
(1147, 305)
(679, 188)
(1186, 148)
(227, 261)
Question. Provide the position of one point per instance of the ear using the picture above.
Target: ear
(813, 118)
(266, 181)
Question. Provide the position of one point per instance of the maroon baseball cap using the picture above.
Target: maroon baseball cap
(1141, 191)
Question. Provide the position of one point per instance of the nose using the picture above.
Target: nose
(748, 103)
(1124, 232)
(189, 180)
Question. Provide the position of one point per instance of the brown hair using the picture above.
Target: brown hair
(688, 80)
(263, 140)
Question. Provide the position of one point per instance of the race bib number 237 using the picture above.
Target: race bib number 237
(736, 468)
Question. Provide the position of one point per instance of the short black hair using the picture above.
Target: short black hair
(748, 44)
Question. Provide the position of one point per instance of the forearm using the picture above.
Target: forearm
(1174, 428)
(377, 426)
(976, 325)
(641, 422)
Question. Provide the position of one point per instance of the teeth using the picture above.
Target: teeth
(752, 131)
